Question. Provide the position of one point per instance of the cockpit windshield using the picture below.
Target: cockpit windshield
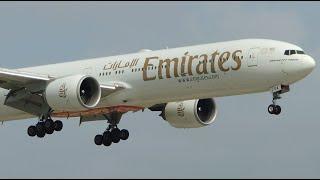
(290, 52)
(300, 52)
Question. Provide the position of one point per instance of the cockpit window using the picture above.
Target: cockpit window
(300, 52)
(290, 52)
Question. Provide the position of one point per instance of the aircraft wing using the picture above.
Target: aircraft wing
(15, 79)
(25, 83)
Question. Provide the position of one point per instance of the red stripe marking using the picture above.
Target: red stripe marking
(97, 111)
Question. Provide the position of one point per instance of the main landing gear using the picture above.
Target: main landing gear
(44, 127)
(276, 91)
(112, 134)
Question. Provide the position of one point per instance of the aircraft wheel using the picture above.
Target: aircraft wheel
(98, 139)
(50, 130)
(40, 126)
(107, 140)
(32, 131)
(41, 132)
(271, 109)
(48, 124)
(115, 135)
(58, 125)
(124, 134)
(277, 110)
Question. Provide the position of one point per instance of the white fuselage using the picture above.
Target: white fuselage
(195, 72)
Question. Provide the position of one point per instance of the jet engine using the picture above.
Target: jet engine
(73, 93)
(191, 113)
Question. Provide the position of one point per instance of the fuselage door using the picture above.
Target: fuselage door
(252, 57)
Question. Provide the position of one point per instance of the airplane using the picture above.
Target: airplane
(180, 83)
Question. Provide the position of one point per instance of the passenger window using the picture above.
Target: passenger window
(286, 52)
(292, 52)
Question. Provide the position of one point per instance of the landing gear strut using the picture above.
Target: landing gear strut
(276, 91)
(112, 134)
(44, 126)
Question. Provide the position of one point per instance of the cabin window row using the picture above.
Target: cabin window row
(149, 68)
(132, 70)
(109, 73)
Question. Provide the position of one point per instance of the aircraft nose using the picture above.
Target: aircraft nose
(309, 64)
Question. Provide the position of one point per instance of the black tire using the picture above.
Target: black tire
(271, 109)
(41, 131)
(58, 125)
(107, 141)
(98, 139)
(277, 110)
(106, 134)
(40, 126)
(50, 130)
(124, 134)
(48, 124)
(32, 131)
(115, 135)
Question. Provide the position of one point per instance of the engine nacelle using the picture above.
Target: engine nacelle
(191, 113)
(73, 93)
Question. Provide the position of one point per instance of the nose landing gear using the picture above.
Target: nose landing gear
(276, 91)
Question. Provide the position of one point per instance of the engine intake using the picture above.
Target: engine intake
(72, 93)
(191, 113)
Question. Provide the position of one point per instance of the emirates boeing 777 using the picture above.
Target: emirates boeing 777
(180, 83)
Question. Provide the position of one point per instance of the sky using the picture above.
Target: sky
(243, 142)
